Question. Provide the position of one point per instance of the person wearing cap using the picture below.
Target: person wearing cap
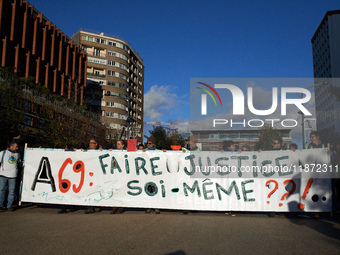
(151, 143)
(192, 144)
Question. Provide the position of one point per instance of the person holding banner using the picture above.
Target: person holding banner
(315, 139)
(277, 143)
(93, 145)
(228, 145)
(192, 144)
(192, 147)
(10, 163)
(151, 144)
(293, 147)
(120, 145)
(336, 177)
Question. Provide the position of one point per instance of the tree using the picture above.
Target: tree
(41, 116)
(267, 135)
(165, 139)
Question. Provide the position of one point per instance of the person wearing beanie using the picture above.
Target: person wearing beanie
(151, 143)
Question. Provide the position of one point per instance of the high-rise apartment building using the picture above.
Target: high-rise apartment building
(32, 47)
(119, 69)
(326, 64)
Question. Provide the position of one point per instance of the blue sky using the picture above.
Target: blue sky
(179, 40)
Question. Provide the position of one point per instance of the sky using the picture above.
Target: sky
(184, 39)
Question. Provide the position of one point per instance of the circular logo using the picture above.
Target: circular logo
(12, 160)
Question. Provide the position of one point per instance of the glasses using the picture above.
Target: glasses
(275, 143)
(93, 143)
(149, 143)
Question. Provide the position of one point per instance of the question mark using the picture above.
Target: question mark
(276, 187)
(288, 193)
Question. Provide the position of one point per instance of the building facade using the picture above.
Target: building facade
(32, 47)
(326, 67)
(119, 69)
(211, 140)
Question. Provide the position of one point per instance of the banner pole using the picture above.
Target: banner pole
(22, 175)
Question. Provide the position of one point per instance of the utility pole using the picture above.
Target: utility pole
(303, 128)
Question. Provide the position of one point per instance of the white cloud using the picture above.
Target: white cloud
(159, 102)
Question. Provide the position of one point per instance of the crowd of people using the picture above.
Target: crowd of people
(11, 167)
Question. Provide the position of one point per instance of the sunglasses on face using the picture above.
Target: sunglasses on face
(275, 143)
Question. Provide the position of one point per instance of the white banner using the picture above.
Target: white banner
(219, 181)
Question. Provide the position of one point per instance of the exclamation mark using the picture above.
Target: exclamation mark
(301, 206)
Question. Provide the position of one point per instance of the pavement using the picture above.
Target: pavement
(39, 229)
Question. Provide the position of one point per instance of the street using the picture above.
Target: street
(34, 229)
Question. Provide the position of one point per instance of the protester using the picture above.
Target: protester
(315, 141)
(277, 144)
(151, 144)
(140, 147)
(192, 146)
(314, 144)
(228, 146)
(293, 146)
(93, 145)
(10, 164)
(20, 140)
(120, 145)
(336, 177)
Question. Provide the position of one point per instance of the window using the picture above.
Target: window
(111, 73)
(96, 60)
(117, 84)
(123, 66)
(111, 63)
(112, 43)
(111, 53)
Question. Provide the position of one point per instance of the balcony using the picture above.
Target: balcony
(96, 54)
(95, 74)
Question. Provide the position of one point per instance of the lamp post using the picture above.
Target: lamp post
(303, 128)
